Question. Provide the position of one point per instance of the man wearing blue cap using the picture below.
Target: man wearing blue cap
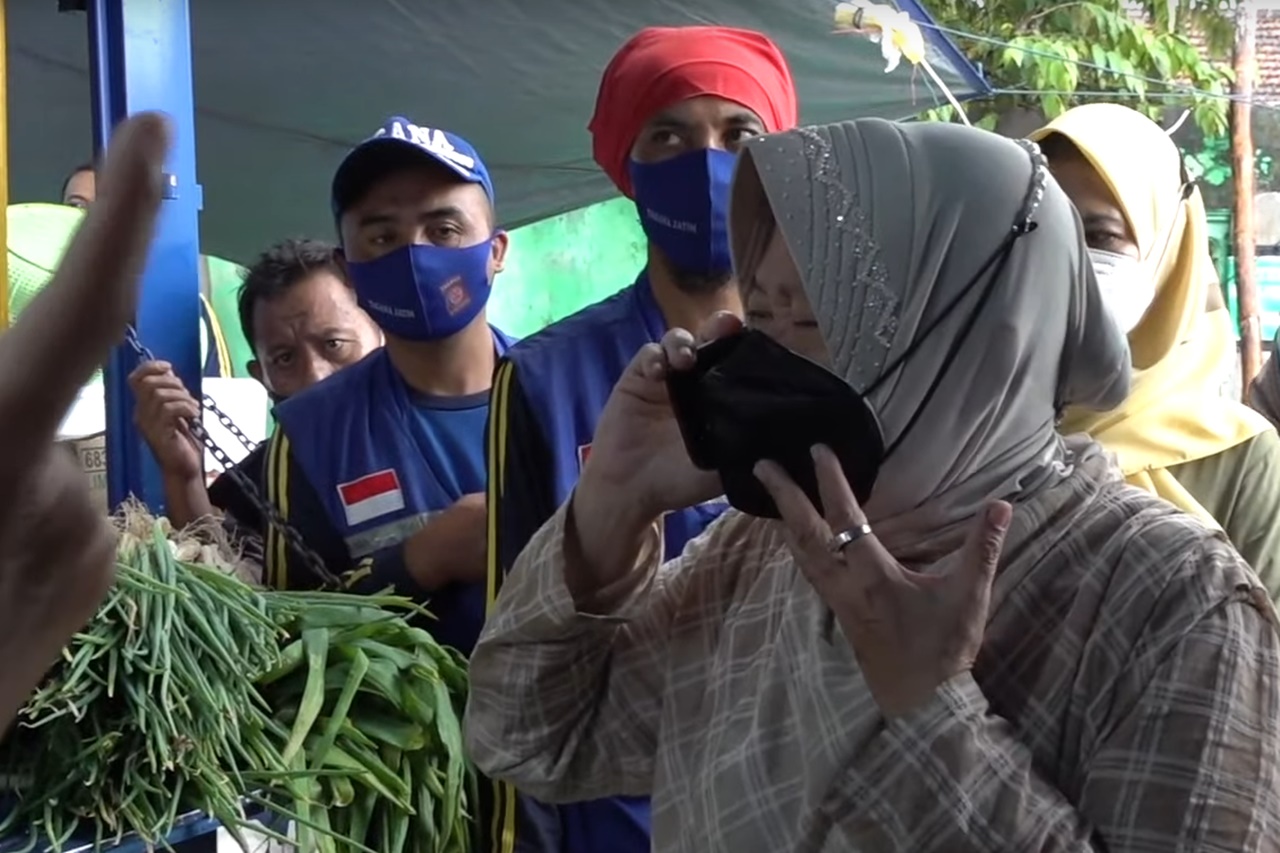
(380, 467)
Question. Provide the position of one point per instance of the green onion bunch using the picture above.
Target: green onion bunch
(192, 690)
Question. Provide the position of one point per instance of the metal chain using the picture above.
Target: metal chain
(293, 539)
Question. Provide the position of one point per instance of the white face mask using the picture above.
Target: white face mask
(1127, 288)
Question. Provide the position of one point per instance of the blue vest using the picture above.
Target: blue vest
(566, 373)
(365, 451)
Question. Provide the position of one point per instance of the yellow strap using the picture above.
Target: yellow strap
(503, 825)
(495, 487)
(277, 550)
(220, 348)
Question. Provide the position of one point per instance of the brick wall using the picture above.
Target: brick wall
(1267, 47)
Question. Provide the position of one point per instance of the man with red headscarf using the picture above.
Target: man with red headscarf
(673, 108)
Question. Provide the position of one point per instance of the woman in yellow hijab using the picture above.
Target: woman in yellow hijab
(1176, 435)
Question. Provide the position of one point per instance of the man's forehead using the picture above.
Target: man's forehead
(704, 109)
(313, 312)
(424, 187)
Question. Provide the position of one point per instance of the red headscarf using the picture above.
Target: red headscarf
(661, 66)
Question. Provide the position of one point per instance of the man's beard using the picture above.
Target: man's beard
(689, 282)
(700, 284)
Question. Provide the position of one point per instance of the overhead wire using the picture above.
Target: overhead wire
(1175, 89)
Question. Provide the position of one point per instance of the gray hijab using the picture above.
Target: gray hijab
(887, 223)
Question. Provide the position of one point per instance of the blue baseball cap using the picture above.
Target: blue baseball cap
(397, 144)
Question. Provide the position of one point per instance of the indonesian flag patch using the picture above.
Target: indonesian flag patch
(370, 497)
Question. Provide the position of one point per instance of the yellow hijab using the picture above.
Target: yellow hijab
(1175, 412)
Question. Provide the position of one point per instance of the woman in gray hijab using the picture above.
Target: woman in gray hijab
(1003, 648)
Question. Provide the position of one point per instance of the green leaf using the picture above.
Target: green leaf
(1158, 54)
(1098, 54)
(1047, 39)
(1053, 106)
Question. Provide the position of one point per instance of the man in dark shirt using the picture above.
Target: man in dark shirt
(302, 321)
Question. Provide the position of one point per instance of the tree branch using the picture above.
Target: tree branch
(1025, 25)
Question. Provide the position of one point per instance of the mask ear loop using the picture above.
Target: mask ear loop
(1188, 189)
(1023, 225)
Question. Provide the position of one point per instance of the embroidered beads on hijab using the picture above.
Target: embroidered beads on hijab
(661, 66)
(888, 223)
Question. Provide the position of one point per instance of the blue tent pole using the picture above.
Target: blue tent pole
(140, 59)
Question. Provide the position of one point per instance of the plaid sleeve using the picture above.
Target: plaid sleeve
(1182, 763)
(566, 705)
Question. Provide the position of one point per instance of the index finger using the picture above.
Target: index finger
(68, 330)
(807, 526)
(649, 363)
(148, 369)
(679, 349)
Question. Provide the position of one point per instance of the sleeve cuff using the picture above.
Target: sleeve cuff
(611, 606)
(958, 699)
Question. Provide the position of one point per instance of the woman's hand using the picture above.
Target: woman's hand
(911, 632)
(637, 448)
(638, 468)
(57, 552)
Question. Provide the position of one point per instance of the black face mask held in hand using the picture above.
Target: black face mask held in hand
(750, 398)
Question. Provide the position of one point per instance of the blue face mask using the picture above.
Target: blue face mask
(683, 204)
(424, 293)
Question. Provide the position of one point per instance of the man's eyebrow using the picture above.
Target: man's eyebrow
(369, 219)
(741, 118)
(666, 122)
(744, 117)
(337, 331)
(447, 211)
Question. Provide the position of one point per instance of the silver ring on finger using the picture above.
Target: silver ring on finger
(845, 538)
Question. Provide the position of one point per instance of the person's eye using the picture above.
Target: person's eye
(1107, 241)
(739, 135)
(758, 316)
(335, 343)
(445, 235)
(666, 138)
(283, 359)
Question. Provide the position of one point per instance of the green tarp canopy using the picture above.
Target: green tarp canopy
(284, 88)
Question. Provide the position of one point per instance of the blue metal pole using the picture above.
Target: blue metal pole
(140, 59)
